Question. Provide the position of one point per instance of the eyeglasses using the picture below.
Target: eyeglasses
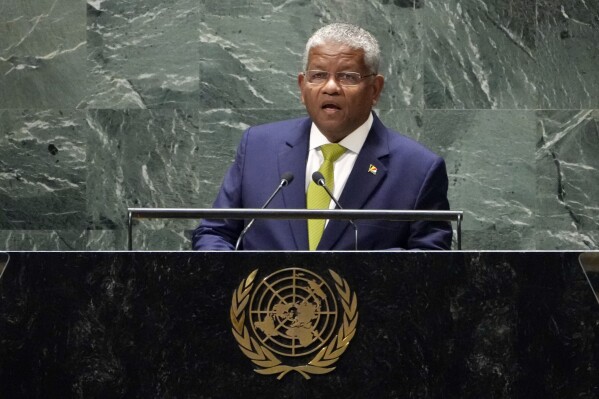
(343, 78)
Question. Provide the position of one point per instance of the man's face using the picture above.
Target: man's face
(335, 109)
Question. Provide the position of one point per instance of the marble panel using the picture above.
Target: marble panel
(141, 158)
(106, 240)
(407, 122)
(411, 123)
(479, 54)
(526, 179)
(251, 51)
(43, 170)
(222, 130)
(567, 161)
(44, 240)
(42, 53)
(142, 54)
(163, 235)
(147, 234)
(491, 168)
(568, 54)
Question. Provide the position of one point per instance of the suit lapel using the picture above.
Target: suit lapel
(292, 158)
(362, 181)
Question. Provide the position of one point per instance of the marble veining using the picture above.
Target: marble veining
(569, 171)
(106, 104)
(142, 54)
(43, 179)
(42, 54)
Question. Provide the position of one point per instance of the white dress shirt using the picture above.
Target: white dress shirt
(344, 165)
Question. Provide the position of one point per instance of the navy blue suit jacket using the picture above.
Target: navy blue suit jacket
(409, 177)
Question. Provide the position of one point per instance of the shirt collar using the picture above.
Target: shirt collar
(353, 141)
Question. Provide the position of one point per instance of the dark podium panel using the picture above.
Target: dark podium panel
(430, 325)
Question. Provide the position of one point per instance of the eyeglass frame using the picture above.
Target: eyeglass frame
(336, 74)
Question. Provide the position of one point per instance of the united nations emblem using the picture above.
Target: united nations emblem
(293, 314)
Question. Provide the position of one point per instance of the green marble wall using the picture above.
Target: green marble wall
(110, 104)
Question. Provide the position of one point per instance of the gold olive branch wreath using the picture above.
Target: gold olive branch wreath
(263, 357)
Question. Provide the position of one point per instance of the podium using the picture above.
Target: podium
(428, 325)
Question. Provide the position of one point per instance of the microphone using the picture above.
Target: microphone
(286, 179)
(318, 178)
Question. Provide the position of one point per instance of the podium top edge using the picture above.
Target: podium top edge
(251, 213)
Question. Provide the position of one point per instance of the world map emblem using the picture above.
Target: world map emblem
(297, 322)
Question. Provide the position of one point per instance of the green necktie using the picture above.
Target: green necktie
(317, 197)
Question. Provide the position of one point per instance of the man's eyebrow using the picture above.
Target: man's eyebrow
(341, 67)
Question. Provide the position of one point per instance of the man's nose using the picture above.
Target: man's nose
(331, 85)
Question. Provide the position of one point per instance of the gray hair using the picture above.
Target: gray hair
(350, 35)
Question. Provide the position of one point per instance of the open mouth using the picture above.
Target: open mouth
(331, 107)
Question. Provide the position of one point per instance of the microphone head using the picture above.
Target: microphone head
(287, 178)
(318, 178)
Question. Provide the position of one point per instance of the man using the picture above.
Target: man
(372, 167)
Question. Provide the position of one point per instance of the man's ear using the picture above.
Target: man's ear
(377, 86)
(300, 83)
